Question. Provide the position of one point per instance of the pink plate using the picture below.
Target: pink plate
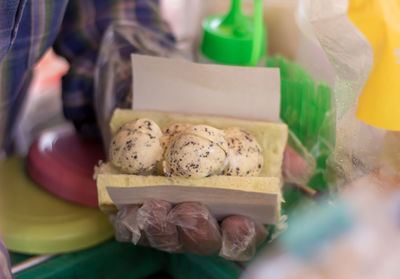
(63, 163)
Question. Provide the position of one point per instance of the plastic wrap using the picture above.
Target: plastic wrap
(113, 74)
(125, 225)
(188, 227)
(240, 237)
(347, 33)
(198, 229)
(152, 219)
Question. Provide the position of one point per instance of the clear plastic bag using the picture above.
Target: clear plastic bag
(360, 53)
(113, 74)
(188, 227)
(240, 238)
(113, 85)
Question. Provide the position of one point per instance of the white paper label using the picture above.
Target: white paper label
(261, 207)
(180, 86)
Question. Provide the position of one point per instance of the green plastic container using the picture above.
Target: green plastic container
(307, 108)
(124, 260)
(235, 39)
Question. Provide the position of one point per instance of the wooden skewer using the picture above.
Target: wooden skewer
(30, 263)
(306, 189)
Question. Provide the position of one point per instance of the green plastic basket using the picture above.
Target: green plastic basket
(307, 108)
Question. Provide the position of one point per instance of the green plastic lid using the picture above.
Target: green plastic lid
(235, 39)
(33, 221)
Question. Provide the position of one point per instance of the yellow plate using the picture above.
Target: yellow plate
(36, 222)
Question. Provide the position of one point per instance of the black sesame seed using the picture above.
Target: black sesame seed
(248, 138)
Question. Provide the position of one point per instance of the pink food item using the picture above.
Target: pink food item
(294, 166)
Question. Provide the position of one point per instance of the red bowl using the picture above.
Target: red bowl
(63, 163)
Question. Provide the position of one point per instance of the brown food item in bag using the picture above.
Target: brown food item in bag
(198, 229)
(152, 219)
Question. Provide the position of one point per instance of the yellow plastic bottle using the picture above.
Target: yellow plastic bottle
(379, 21)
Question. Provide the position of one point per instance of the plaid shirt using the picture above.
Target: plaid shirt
(74, 28)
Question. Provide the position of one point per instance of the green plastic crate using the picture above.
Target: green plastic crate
(124, 260)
